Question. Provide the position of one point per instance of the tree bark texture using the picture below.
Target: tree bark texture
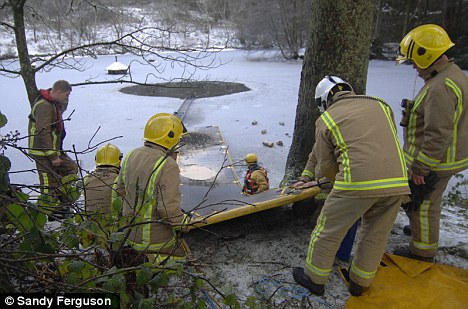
(27, 72)
(338, 44)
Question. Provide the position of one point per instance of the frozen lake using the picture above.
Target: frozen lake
(273, 97)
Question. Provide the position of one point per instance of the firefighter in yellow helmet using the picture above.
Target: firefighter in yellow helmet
(256, 177)
(435, 133)
(150, 177)
(102, 196)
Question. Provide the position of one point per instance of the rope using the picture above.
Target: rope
(210, 301)
(208, 297)
(267, 287)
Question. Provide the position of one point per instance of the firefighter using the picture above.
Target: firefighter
(357, 147)
(102, 197)
(46, 133)
(150, 177)
(256, 177)
(435, 132)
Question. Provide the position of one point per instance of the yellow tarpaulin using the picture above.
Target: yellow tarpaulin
(405, 283)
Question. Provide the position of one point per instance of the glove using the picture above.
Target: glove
(70, 188)
(183, 227)
(421, 192)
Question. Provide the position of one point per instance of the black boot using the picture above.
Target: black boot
(302, 279)
(355, 289)
(404, 252)
(407, 230)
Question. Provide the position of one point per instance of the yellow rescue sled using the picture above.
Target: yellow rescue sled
(211, 189)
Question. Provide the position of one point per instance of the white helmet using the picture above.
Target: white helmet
(327, 87)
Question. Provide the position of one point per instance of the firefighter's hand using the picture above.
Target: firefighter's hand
(417, 179)
(56, 162)
(309, 184)
(300, 183)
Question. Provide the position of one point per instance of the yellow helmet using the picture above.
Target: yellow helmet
(108, 155)
(164, 129)
(424, 45)
(250, 158)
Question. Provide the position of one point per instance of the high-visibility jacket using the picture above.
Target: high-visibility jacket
(357, 146)
(436, 137)
(151, 182)
(46, 129)
(102, 195)
(256, 180)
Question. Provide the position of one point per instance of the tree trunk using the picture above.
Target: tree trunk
(453, 18)
(339, 43)
(27, 72)
(409, 6)
(378, 15)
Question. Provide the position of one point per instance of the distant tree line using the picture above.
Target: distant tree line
(284, 24)
(395, 18)
(279, 24)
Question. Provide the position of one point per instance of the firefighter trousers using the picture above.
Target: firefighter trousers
(425, 221)
(338, 215)
(50, 176)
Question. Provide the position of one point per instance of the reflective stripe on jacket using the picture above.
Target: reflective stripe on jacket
(358, 147)
(151, 182)
(436, 137)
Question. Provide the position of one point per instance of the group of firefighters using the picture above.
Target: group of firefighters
(356, 148)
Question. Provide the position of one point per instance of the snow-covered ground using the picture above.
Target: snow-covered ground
(274, 85)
